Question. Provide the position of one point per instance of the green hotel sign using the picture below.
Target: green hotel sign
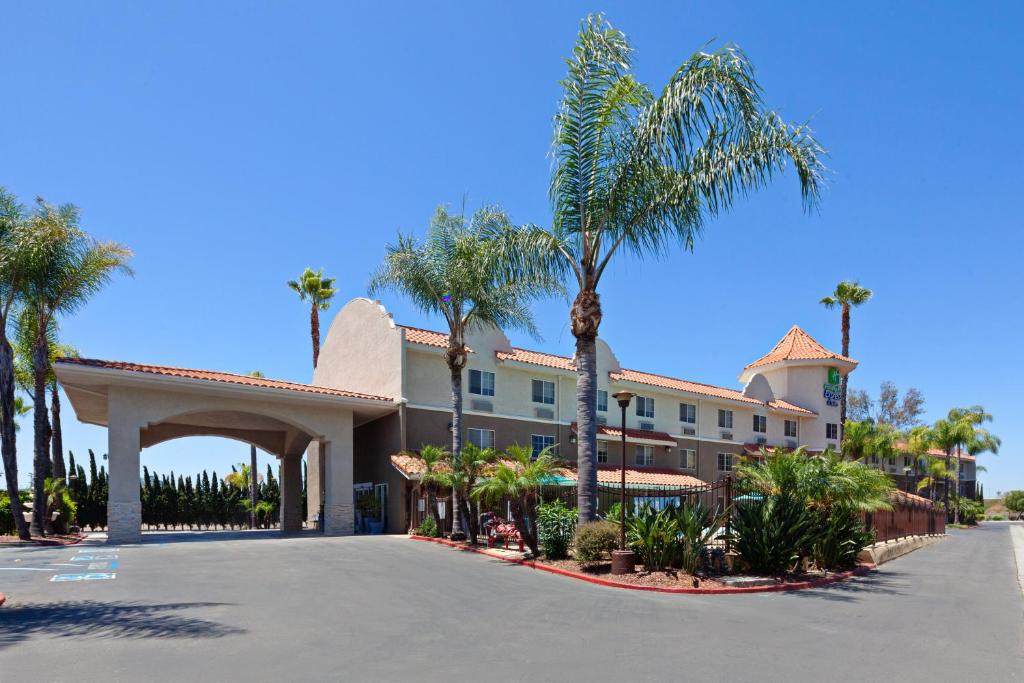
(832, 392)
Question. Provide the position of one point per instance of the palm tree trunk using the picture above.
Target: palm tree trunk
(253, 490)
(57, 440)
(456, 361)
(843, 380)
(586, 317)
(314, 330)
(956, 499)
(41, 455)
(8, 442)
(524, 525)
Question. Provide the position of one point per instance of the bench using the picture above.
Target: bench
(506, 531)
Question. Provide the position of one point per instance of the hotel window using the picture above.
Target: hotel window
(725, 419)
(907, 461)
(540, 442)
(831, 430)
(602, 452)
(481, 382)
(725, 462)
(543, 392)
(645, 455)
(760, 424)
(687, 413)
(644, 406)
(874, 459)
(481, 438)
(687, 459)
(791, 428)
(602, 401)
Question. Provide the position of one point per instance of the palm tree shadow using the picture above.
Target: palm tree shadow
(852, 589)
(101, 620)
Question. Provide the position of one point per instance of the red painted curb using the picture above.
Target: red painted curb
(799, 585)
(3, 599)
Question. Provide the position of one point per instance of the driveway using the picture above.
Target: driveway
(255, 607)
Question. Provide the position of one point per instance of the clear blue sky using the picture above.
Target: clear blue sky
(232, 144)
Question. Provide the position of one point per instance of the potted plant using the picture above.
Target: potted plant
(369, 509)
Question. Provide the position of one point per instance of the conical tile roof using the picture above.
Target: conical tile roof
(798, 345)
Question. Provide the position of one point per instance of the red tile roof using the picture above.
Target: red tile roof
(698, 388)
(412, 466)
(798, 345)
(536, 358)
(216, 376)
(658, 476)
(417, 335)
(609, 430)
(898, 496)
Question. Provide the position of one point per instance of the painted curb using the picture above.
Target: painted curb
(3, 599)
(799, 585)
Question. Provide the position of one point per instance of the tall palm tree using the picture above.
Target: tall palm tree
(312, 286)
(867, 438)
(962, 430)
(459, 272)
(640, 172)
(17, 252)
(937, 471)
(69, 268)
(846, 295)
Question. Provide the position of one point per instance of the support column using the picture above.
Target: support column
(291, 494)
(314, 487)
(124, 508)
(339, 512)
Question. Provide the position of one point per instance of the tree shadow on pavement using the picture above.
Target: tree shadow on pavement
(92, 619)
(850, 590)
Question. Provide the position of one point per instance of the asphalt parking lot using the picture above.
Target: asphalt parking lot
(257, 607)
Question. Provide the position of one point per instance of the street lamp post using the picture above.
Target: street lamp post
(623, 559)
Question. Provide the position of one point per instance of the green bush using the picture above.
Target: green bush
(428, 528)
(840, 538)
(970, 510)
(771, 534)
(594, 540)
(995, 518)
(555, 526)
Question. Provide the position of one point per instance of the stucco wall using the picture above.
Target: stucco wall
(362, 351)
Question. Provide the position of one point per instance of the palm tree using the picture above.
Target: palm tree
(961, 430)
(519, 478)
(864, 439)
(846, 295)
(17, 249)
(434, 477)
(459, 272)
(641, 173)
(463, 477)
(937, 471)
(318, 290)
(69, 268)
(822, 481)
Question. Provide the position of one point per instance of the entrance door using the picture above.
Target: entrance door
(381, 491)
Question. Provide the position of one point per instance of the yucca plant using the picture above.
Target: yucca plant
(697, 527)
(771, 534)
(840, 538)
(654, 536)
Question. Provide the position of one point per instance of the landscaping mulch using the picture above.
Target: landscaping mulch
(53, 539)
(663, 579)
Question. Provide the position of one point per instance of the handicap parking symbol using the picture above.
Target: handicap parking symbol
(91, 558)
(96, 576)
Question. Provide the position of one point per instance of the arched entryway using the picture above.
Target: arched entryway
(143, 405)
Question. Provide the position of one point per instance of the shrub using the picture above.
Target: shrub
(840, 538)
(428, 528)
(970, 510)
(594, 540)
(555, 526)
(1014, 502)
(996, 518)
(771, 533)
